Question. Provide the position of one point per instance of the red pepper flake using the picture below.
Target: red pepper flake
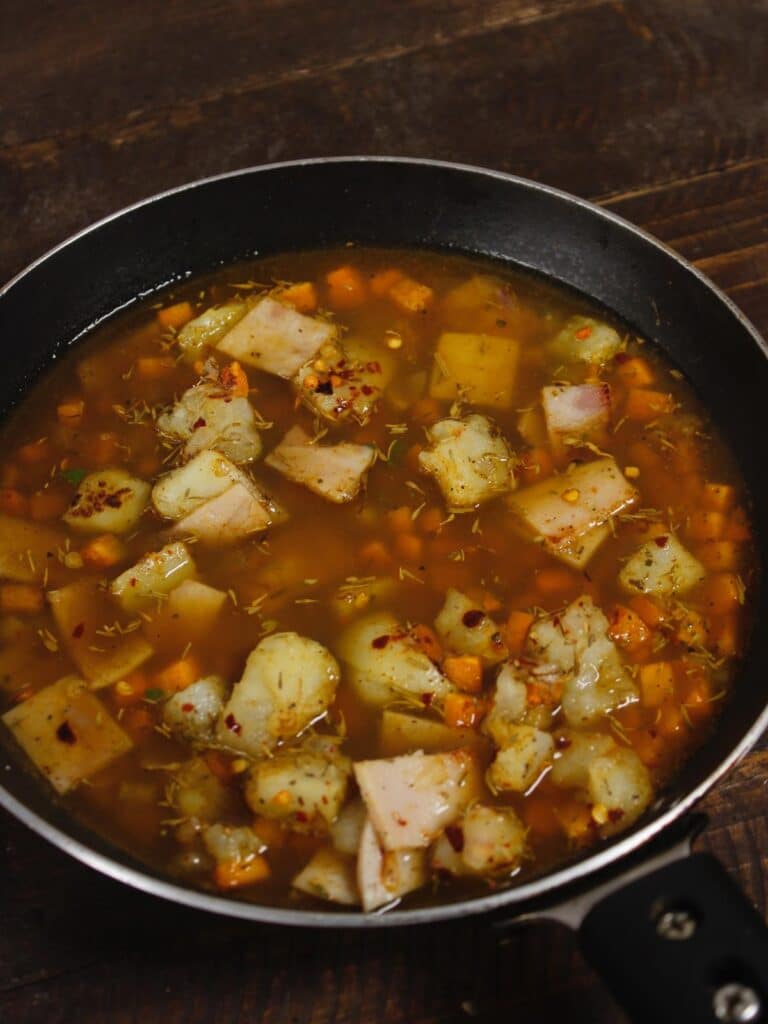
(65, 733)
(302, 817)
(661, 542)
(380, 642)
(562, 743)
(472, 618)
(367, 389)
(78, 631)
(615, 814)
(326, 388)
(584, 332)
(373, 367)
(186, 708)
(427, 698)
(622, 357)
(455, 836)
(233, 725)
(199, 422)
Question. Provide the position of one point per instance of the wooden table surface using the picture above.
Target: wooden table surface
(655, 109)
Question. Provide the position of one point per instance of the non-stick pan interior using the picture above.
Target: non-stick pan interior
(401, 203)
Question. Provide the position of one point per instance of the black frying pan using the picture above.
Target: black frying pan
(643, 906)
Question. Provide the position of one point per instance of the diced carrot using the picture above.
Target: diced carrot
(722, 593)
(233, 874)
(302, 296)
(724, 636)
(411, 459)
(375, 555)
(346, 288)
(697, 700)
(648, 745)
(70, 413)
(547, 694)
(671, 720)
(516, 631)
(409, 546)
(176, 316)
(465, 671)
(155, 367)
(219, 765)
(689, 627)
(234, 378)
(130, 690)
(652, 614)
(430, 519)
(657, 682)
(36, 452)
(10, 475)
(137, 722)
(425, 412)
(738, 526)
(178, 675)
(643, 405)
(199, 367)
(719, 497)
(554, 581)
(269, 832)
(535, 465)
(576, 820)
(103, 552)
(540, 817)
(491, 603)
(705, 524)
(461, 711)
(636, 373)
(102, 449)
(718, 555)
(399, 519)
(645, 458)
(382, 281)
(627, 628)
(149, 465)
(13, 502)
(428, 641)
(410, 296)
(48, 504)
(21, 598)
(631, 716)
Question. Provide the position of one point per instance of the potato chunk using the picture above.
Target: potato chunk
(577, 413)
(335, 471)
(585, 340)
(195, 607)
(494, 839)
(79, 610)
(193, 712)
(510, 698)
(526, 753)
(385, 663)
(350, 384)
(347, 830)
(305, 791)
(26, 549)
(620, 783)
(480, 367)
(401, 733)
(155, 575)
(110, 501)
(196, 793)
(288, 682)
(410, 799)
(331, 876)
(67, 733)
(467, 629)
(275, 338)
(661, 566)
(208, 328)
(469, 459)
(209, 417)
(576, 752)
(384, 876)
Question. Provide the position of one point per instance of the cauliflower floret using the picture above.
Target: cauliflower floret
(585, 340)
(470, 460)
(304, 790)
(194, 711)
(519, 763)
(466, 629)
(661, 566)
(494, 839)
(508, 705)
(210, 416)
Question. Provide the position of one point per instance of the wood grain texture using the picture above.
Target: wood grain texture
(656, 110)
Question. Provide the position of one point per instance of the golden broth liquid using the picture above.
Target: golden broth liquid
(287, 578)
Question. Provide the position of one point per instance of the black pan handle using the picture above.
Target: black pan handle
(681, 945)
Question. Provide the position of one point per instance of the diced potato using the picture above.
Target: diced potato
(585, 340)
(195, 607)
(193, 712)
(469, 459)
(208, 475)
(386, 876)
(510, 698)
(232, 843)
(336, 472)
(331, 876)
(356, 377)
(466, 629)
(577, 413)
(561, 639)
(480, 367)
(577, 551)
(305, 791)
(620, 783)
(79, 610)
(410, 799)
(565, 507)
(522, 760)
(67, 733)
(402, 733)
(663, 567)
(198, 794)
(208, 328)
(155, 575)
(275, 338)
(26, 549)
(384, 663)
(445, 858)
(576, 752)
(288, 682)
(209, 417)
(494, 839)
(478, 292)
(347, 830)
(110, 501)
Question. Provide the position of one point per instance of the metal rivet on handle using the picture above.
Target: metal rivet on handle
(676, 925)
(736, 1003)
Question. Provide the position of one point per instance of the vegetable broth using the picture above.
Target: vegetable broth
(660, 606)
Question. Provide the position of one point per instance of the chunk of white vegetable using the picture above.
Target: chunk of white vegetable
(469, 459)
(522, 760)
(350, 383)
(208, 328)
(67, 733)
(154, 576)
(577, 551)
(26, 549)
(209, 417)
(347, 830)
(562, 638)
(479, 367)
(385, 663)
(198, 794)
(585, 340)
(386, 876)
(229, 844)
(305, 791)
(576, 750)
(275, 338)
(445, 857)
(576, 413)
(410, 799)
(335, 471)
(466, 629)
(193, 712)
(663, 567)
(331, 876)
(510, 698)
(288, 682)
(532, 427)
(110, 501)
(402, 733)
(195, 607)
(619, 782)
(79, 611)
(494, 839)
